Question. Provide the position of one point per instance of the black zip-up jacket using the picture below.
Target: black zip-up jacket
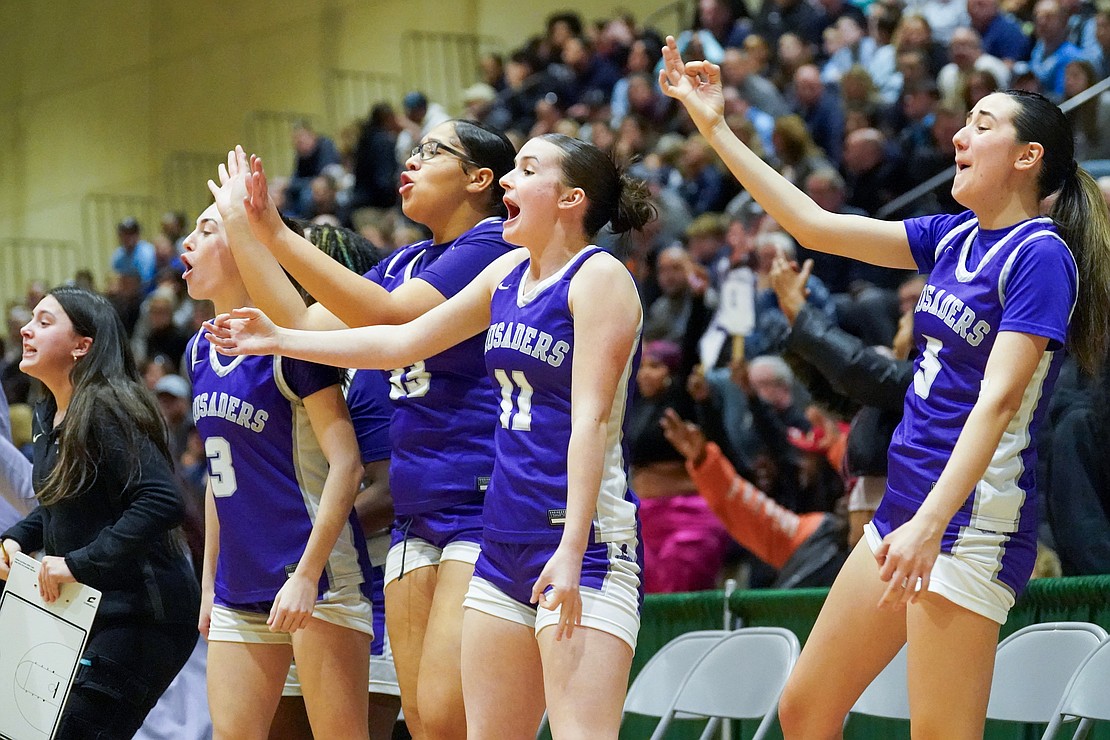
(118, 534)
(857, 372)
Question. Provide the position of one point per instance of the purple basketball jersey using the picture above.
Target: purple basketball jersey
(529, 352)
(981, 282)
(266, 470)
(442, 430)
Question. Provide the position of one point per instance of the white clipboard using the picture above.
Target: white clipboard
(39, 653)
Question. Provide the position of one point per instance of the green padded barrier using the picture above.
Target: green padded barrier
(1084, 599)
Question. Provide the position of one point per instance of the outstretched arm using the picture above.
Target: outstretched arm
(349, 297)
(697, 85)
(248, 331)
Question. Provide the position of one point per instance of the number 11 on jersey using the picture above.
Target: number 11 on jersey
(520, 414)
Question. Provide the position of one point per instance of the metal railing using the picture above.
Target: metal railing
(186, 175)
(101, 214)
(442, 65)
(23, 259)
(269, 134)
(351, 93)
(940, 178)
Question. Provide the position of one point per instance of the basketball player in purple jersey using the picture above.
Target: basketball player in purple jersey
(553, 608)
(444, 408)
(285, 564)
(954, 539)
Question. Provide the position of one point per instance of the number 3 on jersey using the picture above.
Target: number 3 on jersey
(929, 368)
(221, 472)
(520, 414)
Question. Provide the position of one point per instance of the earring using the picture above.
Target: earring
(75, 356)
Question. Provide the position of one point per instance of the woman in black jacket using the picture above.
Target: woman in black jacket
(108, 508)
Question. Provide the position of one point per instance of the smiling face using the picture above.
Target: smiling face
(50, 343)
(532, 192)
(208, 261)
(987, 150)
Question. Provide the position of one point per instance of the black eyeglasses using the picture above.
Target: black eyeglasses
(430, 148)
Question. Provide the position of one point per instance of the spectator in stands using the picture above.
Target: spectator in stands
(799, 156)
(703, 184)
(526, 83)
(420, 117)
(1000, 32)
(376, 168)
(726, 21)
(668, 316)
(980, 84)
(936, 154)
(966, 51)
(915, 34)
(943, 17)
(777, 17)
(589, 75)
(155, 332)
(806, 549)
(853, 48)
(827, 188)
(792, 54)
(126, 296)
(134, 254)
(313, 153)
(919, 104)
(820, 109)
(175, 399)
(684, 544)
(561, 27)
(1052, 52)
(870, 170)
(1102, 36)
(1078, 490)
(1090, 120)
(643, 55)
(478, 101)
(1082, 28)
(492, 69)
(882, 22)
(738, 71)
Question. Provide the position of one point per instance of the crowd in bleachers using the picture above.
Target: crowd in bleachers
(854, 103)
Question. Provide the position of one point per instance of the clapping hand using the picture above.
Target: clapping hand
(244, 331)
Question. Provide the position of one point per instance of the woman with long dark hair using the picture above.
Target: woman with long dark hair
(107, 514)
(955, 537)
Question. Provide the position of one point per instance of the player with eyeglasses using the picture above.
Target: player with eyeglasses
(445, 410)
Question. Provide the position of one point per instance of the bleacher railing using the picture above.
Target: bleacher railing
(949, 173)
(101, 214)
(23, 259)
(269, 134)
(351, 93)
(442, 65)
(186, 175)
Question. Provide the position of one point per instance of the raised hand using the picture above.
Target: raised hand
(697, 85)
(244, 331)
(231, 191)
(686, 436)
(262, 212)
(789, 285)
(557, 588)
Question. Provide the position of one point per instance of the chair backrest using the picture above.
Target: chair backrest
(1033, 666)
(1086, 695)
(658, 681)
(740, 677)
(888, 693)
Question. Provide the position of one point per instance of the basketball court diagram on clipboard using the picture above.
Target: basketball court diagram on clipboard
(40, 650)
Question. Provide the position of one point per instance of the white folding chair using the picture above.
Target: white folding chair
(888, 694)
(1087, 696)
(740, 677)
(658, 681)
(1033, 666)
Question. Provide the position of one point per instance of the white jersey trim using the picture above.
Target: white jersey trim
(616, 515)
(965, 275)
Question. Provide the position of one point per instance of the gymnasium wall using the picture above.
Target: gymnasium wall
(124, 106)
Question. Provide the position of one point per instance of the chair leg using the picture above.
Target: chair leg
(710, 728)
